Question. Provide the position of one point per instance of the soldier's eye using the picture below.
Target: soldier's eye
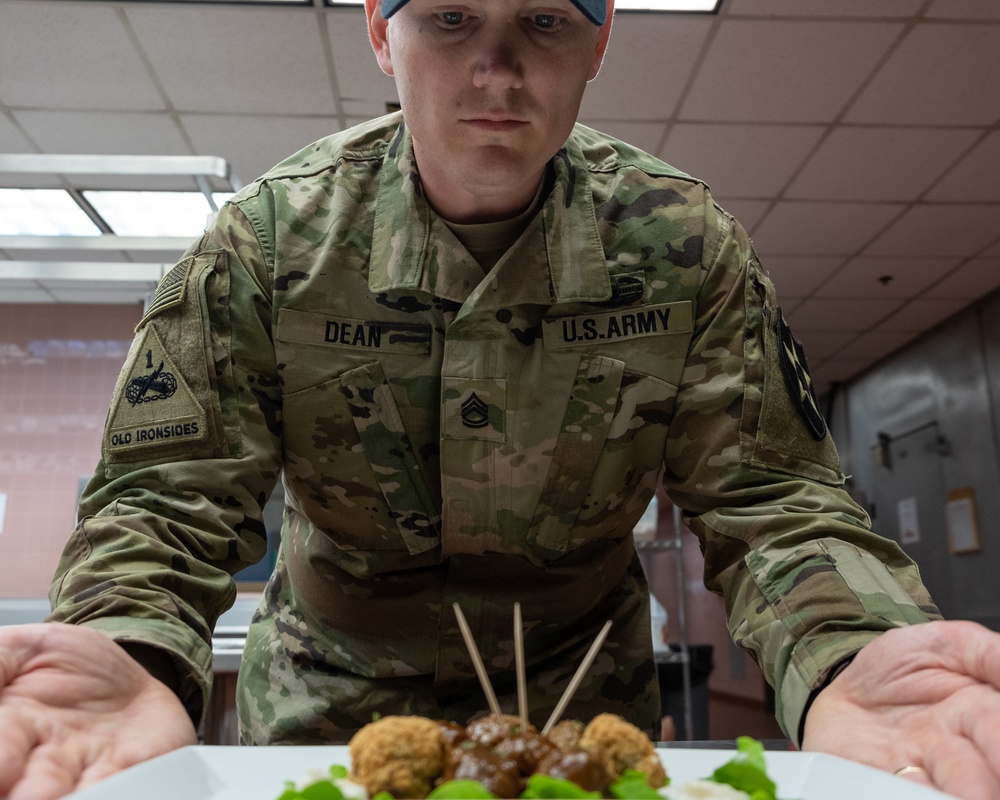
(452, 18)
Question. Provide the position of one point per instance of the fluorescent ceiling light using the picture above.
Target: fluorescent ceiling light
(154, 213)
(691, 6)
(236, 2)
(43, 212)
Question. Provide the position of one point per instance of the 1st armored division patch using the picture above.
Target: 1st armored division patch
(798, 380)
(154, 406)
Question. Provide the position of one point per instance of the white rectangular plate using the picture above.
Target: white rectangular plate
(259, 773)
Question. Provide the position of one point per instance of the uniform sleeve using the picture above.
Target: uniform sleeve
(190, 455)
(749, 459)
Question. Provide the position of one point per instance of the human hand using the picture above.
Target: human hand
(75, 708)
(925, 695)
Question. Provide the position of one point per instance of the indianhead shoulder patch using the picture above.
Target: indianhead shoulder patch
(798, 380)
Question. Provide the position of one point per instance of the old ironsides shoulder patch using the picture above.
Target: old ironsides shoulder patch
(154, 408)
(798, 380)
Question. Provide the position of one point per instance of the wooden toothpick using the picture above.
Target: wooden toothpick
(522, 685)
(477, 661)
(577, 679)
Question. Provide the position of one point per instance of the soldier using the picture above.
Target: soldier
(471, 339)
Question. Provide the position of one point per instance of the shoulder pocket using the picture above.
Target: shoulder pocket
(166, 401)
(782, 426)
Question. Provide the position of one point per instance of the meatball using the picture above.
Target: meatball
(399, 755)
(566, 734)
(619, 745)
(491, 729)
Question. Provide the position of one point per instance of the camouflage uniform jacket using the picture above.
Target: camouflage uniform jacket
(448, 436)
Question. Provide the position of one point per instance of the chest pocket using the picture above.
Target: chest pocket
(609, 449)
(605, 463)
(350, 466)
(390, 454)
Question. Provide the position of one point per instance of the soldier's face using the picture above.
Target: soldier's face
(490, 90)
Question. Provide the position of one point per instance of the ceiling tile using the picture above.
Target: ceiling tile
(808, 228)
(789, 304)
(879, 163)
(971, 281)
(875, 345)
(276, 56)
(746, 73)
(104, 132)
(663, 48)
(740, 160)
(11, 139)
(939, 230)
(964, 9)
(358, 74)
(839, 370)
(820, 345)
(921, 315)
(866, 277)
(941, 70)
(799, 275)
(252, 144)
(977, 176)
(70, 55)
(840, 8)
(747, 212)
(364, 108)
(841, 315)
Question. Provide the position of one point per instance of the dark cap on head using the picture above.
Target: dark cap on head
(594, 10)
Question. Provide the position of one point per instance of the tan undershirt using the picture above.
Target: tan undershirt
(488, 241)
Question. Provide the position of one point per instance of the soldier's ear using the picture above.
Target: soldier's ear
(378, 34)
(603, 34)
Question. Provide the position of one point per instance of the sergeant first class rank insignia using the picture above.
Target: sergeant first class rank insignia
(154, 404)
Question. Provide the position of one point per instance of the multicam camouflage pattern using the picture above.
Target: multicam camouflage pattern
(446, 435)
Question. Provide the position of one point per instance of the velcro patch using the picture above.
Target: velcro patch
(169, 291)
(303, 327)
(613, 326)
(798, 380)
(473, 409)
(154, 405)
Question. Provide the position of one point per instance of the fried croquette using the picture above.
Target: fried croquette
(399, 755)
(620, 745)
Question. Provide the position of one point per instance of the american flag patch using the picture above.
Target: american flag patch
(169, 291)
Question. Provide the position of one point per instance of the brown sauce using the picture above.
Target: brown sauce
(501, 756)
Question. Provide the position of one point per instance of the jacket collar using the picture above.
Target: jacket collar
(570, 267)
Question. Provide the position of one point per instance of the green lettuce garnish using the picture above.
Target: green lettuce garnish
(632, 785)
(545, 787)
(747, 771)
(460, 790)
(318, 790)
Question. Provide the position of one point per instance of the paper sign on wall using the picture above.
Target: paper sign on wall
(909, 522)
(963, 530)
